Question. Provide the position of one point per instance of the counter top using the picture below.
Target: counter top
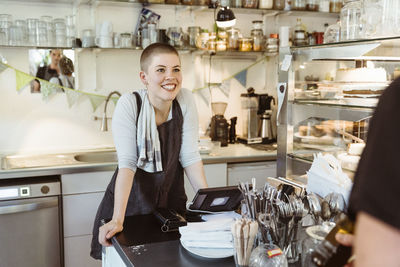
(149, 246)
(233, 153)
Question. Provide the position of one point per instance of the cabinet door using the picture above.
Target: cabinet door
(77, 252)
(215, 175)
(244, 172)
(79, 212)
(85, 182)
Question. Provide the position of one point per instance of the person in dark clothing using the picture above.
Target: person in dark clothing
(375, 194)
(49, 71)
(155, 132)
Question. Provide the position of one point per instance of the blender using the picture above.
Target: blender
(249, 104)
(219, 125)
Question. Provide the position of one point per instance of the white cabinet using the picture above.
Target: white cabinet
(244, 172)
(81, 194)
(215, 175)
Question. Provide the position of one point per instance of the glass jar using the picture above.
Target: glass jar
(236, 3)
(267, 255)
(245, 44)
(187, 2)
(249, 3)
(279, 4)
(233, 39)
(299, 5)
(332, 33)
(312, 5)
(257, 35)
(201, 2)
(299, 37)
(202, 40)
(335, 6)
(272, 43)
(194, 32)
(314, 236)
(174, 2)
(350, 20)
(211, 45)
(266, 4)
(221, 45)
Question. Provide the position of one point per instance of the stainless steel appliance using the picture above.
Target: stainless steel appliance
(264, 112)
(249, 103)
(30, 220)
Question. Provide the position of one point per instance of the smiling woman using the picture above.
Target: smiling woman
(54, 65)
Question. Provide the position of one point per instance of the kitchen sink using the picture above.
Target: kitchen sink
(97, 157)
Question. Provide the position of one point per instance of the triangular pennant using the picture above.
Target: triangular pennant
(242, 77)
(72, 97)
(114, 100)
(225, 87)
(22, 79)
(48, 89)
(2, 67)
(205, 95)
(96, 101)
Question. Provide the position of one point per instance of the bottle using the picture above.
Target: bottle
(299, 33)
(330, 253)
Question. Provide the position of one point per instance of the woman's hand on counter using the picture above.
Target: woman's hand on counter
(108, 230)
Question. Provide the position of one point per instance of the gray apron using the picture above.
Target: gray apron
(151, 190)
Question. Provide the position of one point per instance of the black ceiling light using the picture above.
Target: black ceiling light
(225, 17)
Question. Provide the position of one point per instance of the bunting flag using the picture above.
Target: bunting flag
(242, 77)
(225, 87)
(114, 100)
(48, 89)
(72, 96)
(22, 79)
(96, 101)
(2, 67)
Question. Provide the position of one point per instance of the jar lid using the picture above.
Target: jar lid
(273, 35)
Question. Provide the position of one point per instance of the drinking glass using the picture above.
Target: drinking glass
(175, 36)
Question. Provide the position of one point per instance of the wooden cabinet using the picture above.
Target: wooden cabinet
(81, 196)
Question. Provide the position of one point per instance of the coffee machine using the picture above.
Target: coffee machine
(249, 103)
(219, 125)
(265, 113)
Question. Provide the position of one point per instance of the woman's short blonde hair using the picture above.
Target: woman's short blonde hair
(66, 66)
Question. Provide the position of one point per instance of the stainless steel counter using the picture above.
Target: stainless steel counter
(105, 160)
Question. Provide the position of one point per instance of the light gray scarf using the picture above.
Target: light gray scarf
(148, 141)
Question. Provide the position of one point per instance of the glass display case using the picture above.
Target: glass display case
(326, 97)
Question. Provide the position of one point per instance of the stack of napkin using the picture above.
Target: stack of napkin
(214, 232)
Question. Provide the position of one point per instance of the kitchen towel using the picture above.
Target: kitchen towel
(148, 141)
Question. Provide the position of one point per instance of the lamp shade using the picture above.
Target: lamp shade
(225, 18)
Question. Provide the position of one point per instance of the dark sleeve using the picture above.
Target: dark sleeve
(376, 189)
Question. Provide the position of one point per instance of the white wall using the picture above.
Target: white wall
(29, 124)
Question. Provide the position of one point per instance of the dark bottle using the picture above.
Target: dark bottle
(330, 253)
(232, 130)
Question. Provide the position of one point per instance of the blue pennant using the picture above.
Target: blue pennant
(242, 77)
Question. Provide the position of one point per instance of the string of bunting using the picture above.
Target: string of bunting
(48, 89)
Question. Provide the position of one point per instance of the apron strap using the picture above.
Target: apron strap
(139, 105)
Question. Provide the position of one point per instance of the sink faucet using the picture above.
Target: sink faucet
(104, 127)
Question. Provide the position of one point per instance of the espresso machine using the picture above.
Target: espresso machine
(219, 125)
(265, 113)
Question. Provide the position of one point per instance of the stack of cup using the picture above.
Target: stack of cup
(60, 32)
(41, 33)
(21, 24)
(87, 38)
(104, 34)
(48, 21)
(5, 23)
(70, 30)
(32, 26)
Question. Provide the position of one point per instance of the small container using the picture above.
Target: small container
(335, 6)
(125, 40)
(221, 45)
(211, 45)
(249, 3)
(194, 32)
(187, 2)
(279, 4)
(272, 43)
(258, 39)
(202, 40)
(174, 2)
(299, 5)
(201, 2)
(236, 3)
(233, 39)
(266, 4)
(222, 34)
(245, 44)
(312, 5)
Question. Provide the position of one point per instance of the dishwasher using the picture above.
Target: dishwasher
(31, 222)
